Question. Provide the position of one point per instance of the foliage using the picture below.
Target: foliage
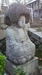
(19, 71)
(39, 51)
(2, 63)
(3, 45)
(40, 47)
(39, 54)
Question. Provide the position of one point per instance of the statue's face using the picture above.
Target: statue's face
(21, 21)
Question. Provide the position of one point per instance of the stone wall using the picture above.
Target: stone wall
(2, 27)
(35, 36)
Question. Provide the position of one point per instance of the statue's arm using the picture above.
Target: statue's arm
(11, 41)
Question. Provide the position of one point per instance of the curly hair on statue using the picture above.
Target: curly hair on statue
(13, 13)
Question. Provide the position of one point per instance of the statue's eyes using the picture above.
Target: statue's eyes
(22, 20)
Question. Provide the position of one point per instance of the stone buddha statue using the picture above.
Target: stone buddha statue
(19, 48)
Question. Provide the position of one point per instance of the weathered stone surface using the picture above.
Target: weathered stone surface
(15, 11)
(17, 51)
(29, 67)
(2, 34)
(33, 33)
(1, 19)
(19, 48)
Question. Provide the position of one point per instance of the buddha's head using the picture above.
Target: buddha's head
(17, 13)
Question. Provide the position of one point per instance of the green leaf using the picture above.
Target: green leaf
(2, 63)
(19, 71)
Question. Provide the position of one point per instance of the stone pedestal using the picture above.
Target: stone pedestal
(29, 67)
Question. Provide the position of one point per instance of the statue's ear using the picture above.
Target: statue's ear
(7, 20)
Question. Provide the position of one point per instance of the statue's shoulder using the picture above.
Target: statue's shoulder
(9, 31)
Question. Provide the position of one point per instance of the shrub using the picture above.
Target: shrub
(2, 63)
(19, 71)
